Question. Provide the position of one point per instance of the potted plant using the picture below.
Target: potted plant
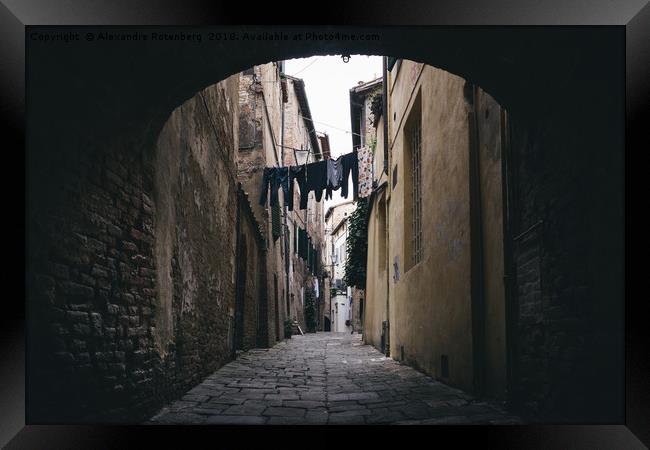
(288, 328)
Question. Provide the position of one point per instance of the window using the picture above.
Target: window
(412, 135)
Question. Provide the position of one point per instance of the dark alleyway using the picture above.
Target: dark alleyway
(325, 378)
(489, 253)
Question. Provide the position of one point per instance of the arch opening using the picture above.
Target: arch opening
(125, 184)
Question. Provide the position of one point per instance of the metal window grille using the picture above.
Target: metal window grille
(276, 226)
(416, 204)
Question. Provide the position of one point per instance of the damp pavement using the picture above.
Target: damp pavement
(325, 379)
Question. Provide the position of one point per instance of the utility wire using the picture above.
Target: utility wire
(317, 58)
(321, 123)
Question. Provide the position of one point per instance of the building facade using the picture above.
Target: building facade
(435, 292)
(339, 310)
(277, 130)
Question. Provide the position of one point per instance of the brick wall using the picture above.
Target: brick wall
(569, 314)
(130, 263)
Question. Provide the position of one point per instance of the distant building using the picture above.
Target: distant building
(336, 227)
(276, 130)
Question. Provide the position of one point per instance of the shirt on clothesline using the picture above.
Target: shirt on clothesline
(327, 175)
(365, 171)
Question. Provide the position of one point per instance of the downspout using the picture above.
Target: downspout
(287, 254)
(387, 221)
(384, 106)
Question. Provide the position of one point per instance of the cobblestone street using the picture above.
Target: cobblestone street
(325, 378)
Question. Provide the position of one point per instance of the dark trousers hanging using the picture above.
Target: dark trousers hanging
(316, 181)
(296, 173)
(350, 163)
(275, 178)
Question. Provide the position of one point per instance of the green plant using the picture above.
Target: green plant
(357, 246)
(288, 328)
(373, 144)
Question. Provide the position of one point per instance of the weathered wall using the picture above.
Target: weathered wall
(489, 145)
(91, 279)
(311, 219)
(568, 174)
(430, 305)
(133, 263)
(259, 121)
(376, 273)
(295, 137)
(358, 295)
(252, 283)
(195, 229)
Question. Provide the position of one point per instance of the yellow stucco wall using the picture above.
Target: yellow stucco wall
(489, 149)
(376, 274)
(430, 303)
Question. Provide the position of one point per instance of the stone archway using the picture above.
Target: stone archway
(95, 112)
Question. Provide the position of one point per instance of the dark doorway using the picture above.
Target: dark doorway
(327, 325)
(277, 309)
(240, 293)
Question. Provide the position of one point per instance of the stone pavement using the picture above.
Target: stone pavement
(325, 378)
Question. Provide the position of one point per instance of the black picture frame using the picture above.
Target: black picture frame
(633, 16)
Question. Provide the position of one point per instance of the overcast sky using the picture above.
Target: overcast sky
(328, 81)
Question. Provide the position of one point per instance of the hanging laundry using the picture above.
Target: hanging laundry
(350, 164)
(316, 181)
(365, 171)
(275, 178)
(298, 174)
(327, 175)
(267, 177)
(334, 176)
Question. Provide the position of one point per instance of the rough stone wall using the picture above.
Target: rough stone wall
(124, 319)
(194, 191)
(256, 151)
(569, 331)
(255, 307)
(311, 219)
(92, 292)
(357, 296)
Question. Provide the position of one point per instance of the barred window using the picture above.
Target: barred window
(412, 164)
(276, 225)
(416, 168)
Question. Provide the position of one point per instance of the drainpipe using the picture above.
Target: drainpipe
(287, 254)
(387, 221)
(384, 107)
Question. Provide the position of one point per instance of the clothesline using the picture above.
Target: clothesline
(319, 122)
(325, 175)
